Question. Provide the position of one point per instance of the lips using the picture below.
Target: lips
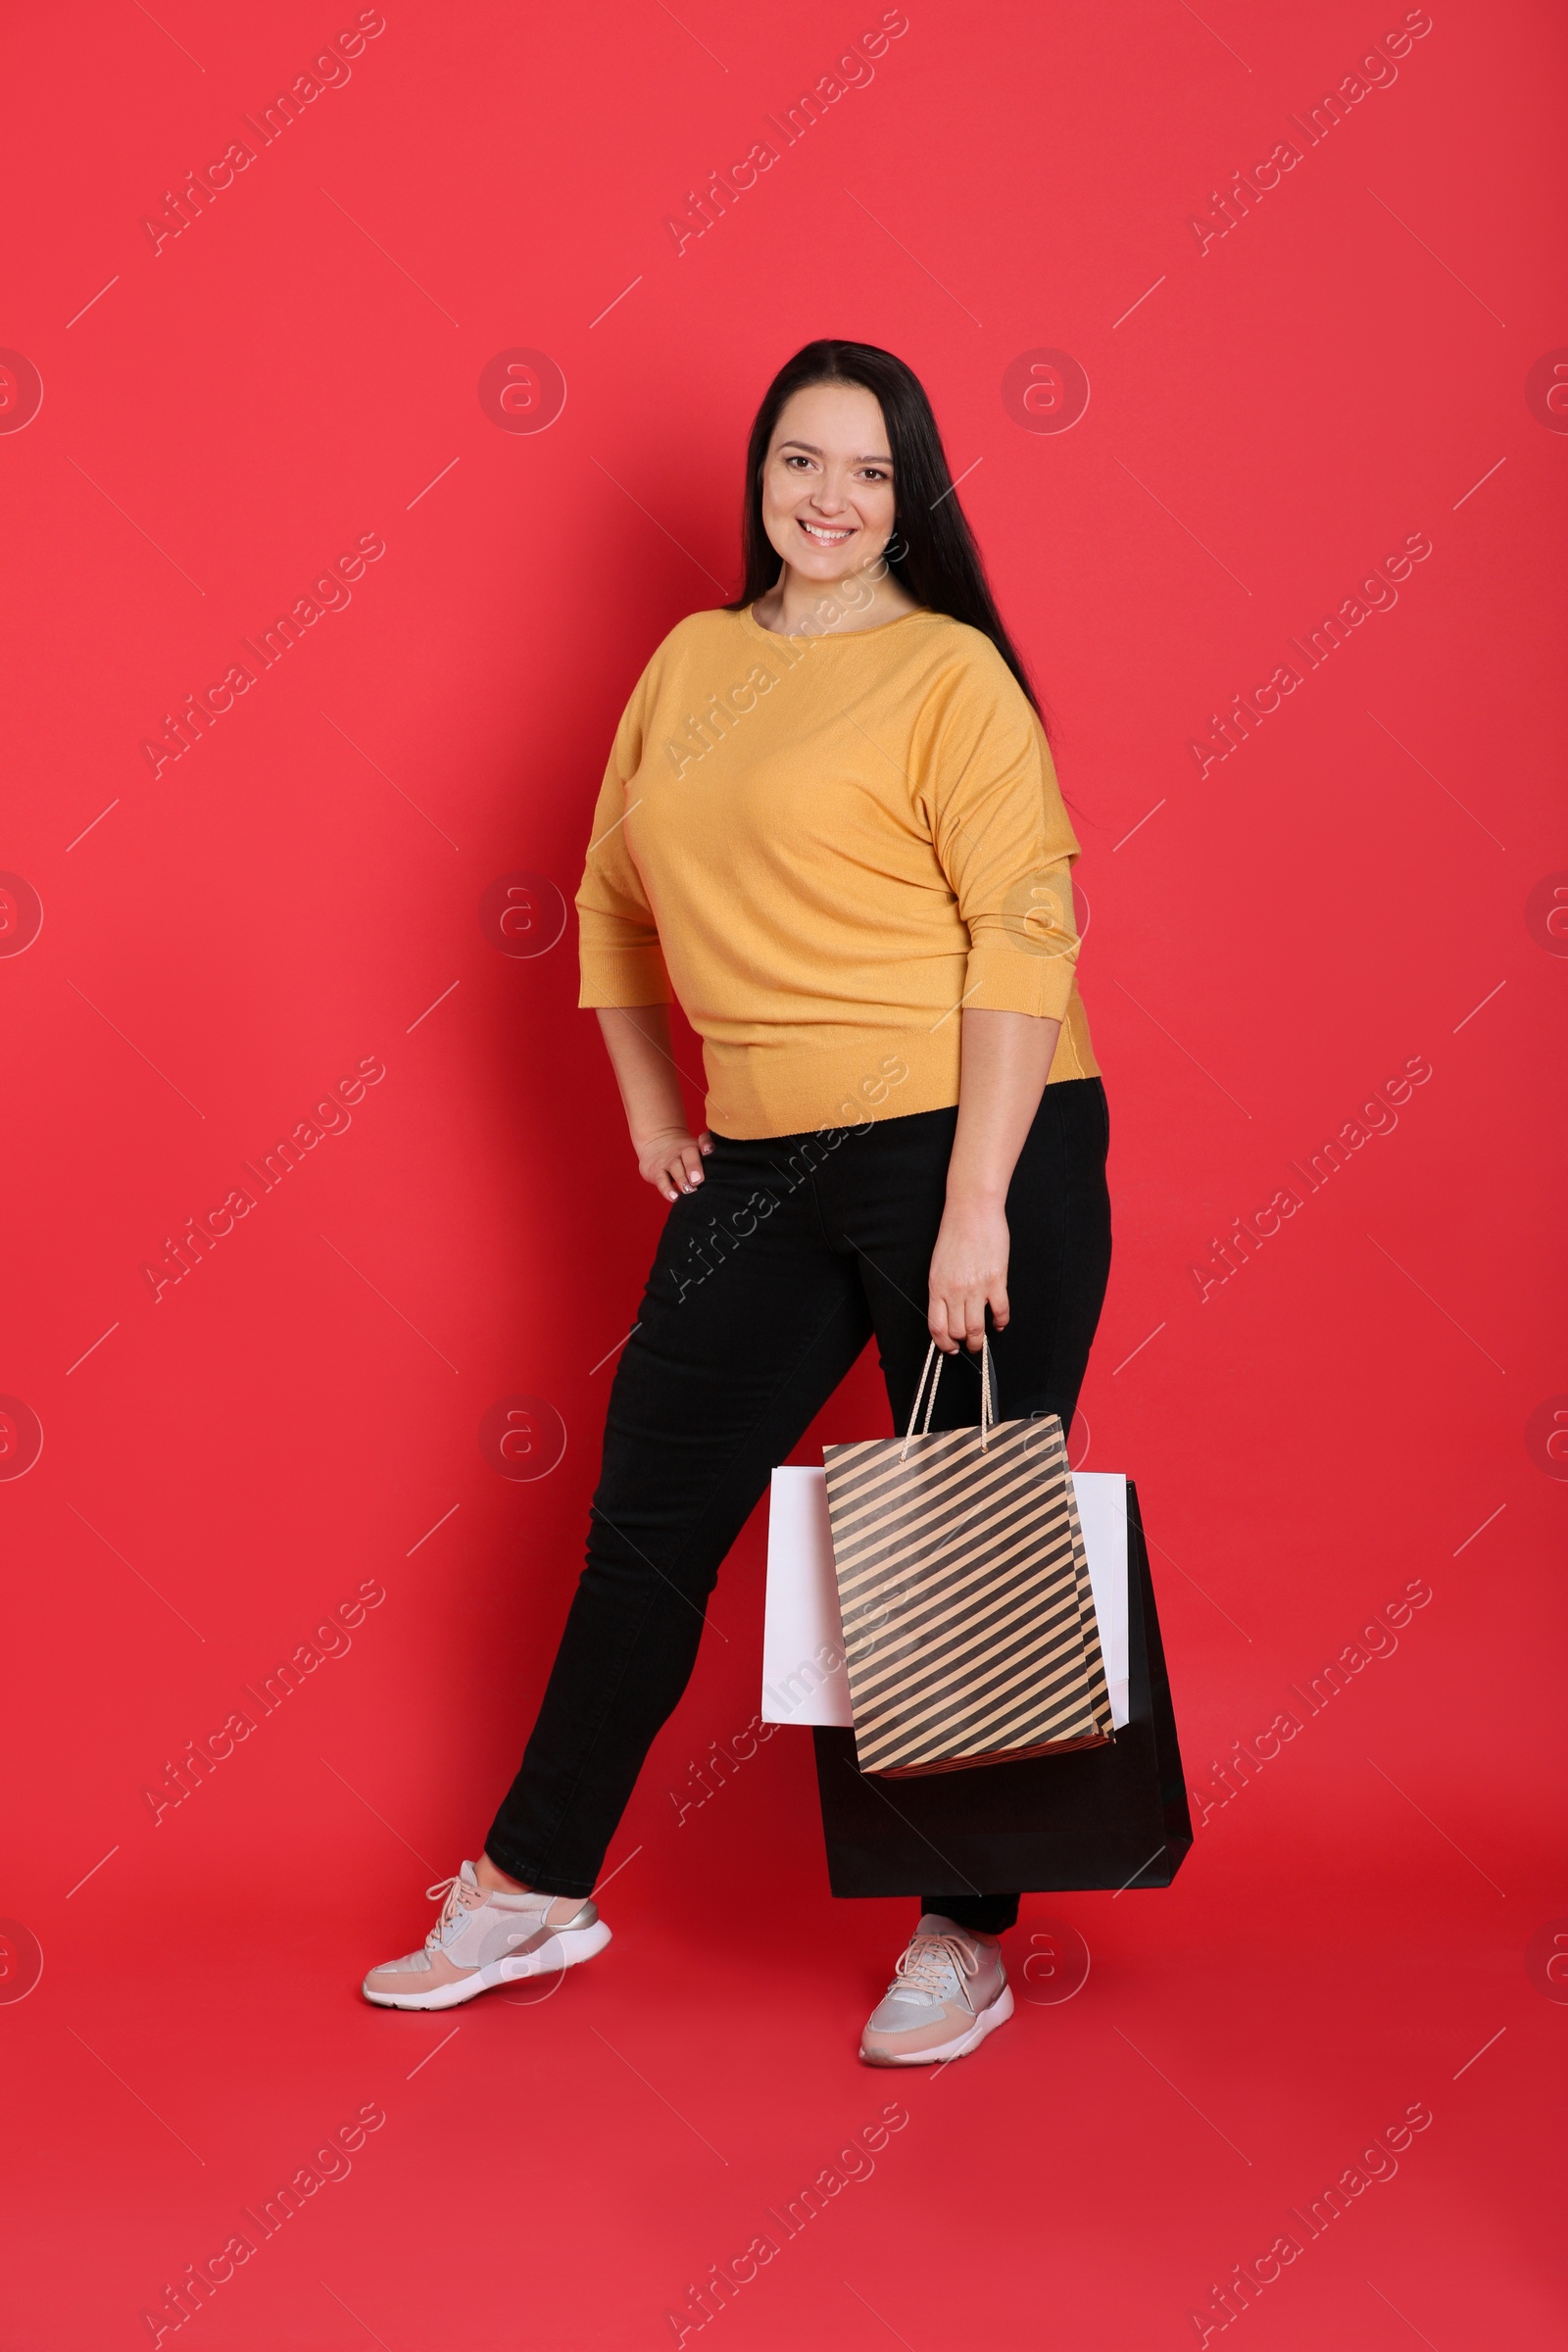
(823, 538)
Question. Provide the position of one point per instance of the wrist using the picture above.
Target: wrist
(969, 1193)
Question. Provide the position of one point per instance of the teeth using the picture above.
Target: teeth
(828, 538)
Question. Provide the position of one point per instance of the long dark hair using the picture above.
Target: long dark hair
(932, 553)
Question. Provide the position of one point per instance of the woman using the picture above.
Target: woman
(831, 827)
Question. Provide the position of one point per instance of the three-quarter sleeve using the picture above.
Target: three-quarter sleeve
(620, 955)
(1003, 841)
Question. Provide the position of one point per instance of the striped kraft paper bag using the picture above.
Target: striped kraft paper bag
(964, 1583)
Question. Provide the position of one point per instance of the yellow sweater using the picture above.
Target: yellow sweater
(829, 845)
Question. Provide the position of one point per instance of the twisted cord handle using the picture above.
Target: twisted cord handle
(988, 1412)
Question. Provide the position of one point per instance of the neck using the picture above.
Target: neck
(857, 600)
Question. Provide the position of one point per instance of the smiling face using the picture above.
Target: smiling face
(829, 496)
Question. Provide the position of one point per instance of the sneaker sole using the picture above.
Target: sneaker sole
(986, 2023)
(566, 1949)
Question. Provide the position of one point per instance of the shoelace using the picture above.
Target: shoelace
(922, 1967)
(455, 1897)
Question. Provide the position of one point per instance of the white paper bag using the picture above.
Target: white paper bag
(1102, 1516)
(803, 1675)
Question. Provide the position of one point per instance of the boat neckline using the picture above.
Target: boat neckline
(832, 636)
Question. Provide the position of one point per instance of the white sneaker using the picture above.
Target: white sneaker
(949, 1992)
(484, 1938)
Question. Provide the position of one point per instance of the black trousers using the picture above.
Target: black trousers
(767, 1281)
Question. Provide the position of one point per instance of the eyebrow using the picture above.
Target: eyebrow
(865, 458)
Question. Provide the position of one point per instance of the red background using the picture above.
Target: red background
(222, 418)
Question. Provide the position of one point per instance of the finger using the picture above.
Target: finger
(705, 1142)
(691, 1163)
(974, 1319)
(937, 1325)
(1000, 1310)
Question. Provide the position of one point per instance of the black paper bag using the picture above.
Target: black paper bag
(1111, 1816)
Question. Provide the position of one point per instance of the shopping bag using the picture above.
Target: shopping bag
(803, 1675)
(805, 1678)
(965, 1592)
(1113, 1816)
